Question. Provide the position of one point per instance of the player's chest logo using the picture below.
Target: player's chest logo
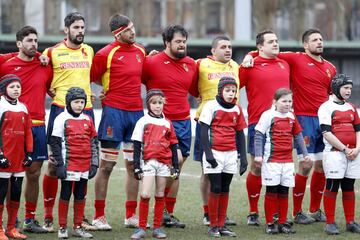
(17, 68)
(120, 58)
(185, 67)
(328, 73)
(138, 58)
(281, 65)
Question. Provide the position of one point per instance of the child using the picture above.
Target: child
(224, 119)
(16, 145)
(154, 136)
(279, 126)
(75, 148)
(340, 125)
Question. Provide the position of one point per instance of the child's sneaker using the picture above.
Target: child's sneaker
(159, 233)
(101, 224)
(81, 233)
(86, 224)
(138, 234)
(32, 225)
(49, 225)
(14, 233)
(63, 233)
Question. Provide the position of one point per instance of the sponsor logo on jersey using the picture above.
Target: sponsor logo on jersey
(264, 64)
(166, 62)
(17, 68)
(62, 54)
(138, 58)
(185, 67)
(281, 65)
(218, 75)
(310, 64)
(71, 65)
(120, 58)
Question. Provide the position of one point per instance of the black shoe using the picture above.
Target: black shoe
(229, 222)
(253, 219)
(318, 215)
(286, 228)
(214, 232)
(272, 229)
(174, 222)
(302, 218)
(353, 227)
(331, 229)
(224, 231)
(32, 225)
(166, 218)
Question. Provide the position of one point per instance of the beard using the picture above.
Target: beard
(30, 52)
(178, 54)
(316, 52)
(74, 39)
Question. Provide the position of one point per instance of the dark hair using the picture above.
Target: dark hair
(169, 31)
(24, 32)
(72, 17)
(281, 92)
(307, 33)
(216, 40)
(260, 36)
(118, 20)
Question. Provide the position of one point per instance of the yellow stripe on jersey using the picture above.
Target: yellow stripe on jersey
(210, 72)
(71, 68)
(105, 79)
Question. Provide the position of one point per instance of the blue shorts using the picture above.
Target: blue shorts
(250, 139)
(54, 112)
(40, 152)
(183, 134)
(117, 125)
(312, 134)
(198, 151)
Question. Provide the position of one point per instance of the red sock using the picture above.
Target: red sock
(79, 208)
(329, 206)
(348, 199)
(12, 209)
(30, 209)
(223, 205)
(206, 209)
(130, 208)
(213, 203)
(270, 206)
(316, 190)
(99, 208)
(170, 204)
(283, 205)
(50, 187)
(144, 211)
(63, 212)
(298, 192)
(158, 211)
(253, 186)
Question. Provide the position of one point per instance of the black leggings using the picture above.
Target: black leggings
(220, 182)
(347, 184)
(79, 189)
(277, 189)
(15, 188)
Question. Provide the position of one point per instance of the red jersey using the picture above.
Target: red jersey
(119, 67)
(342, 118)
(156, 135)
(176, 78)
(16, 135)
(310, 81)
(223, 124)
(261, 82)
(76, 134)
(35, 80)
(279, 128)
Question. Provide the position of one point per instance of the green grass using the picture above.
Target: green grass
(189, 210)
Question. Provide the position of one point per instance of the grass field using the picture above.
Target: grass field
(189, 210)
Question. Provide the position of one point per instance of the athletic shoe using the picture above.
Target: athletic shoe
(159, 233)
(276, 218)
(14, 233)
(318, 215)
(32, 225)
(166, 217)
(224, 231)
(2, 235)
(138, 234)
(302, 218)
(63, 233)
(132, 222)
(331, 229)
(272, 228)
(174, 222)
(48, 225)
(206, 219)
(253, 219)
(87, 225)
(353, 227)
(81, 233)
(286, 228)
(101, 224)
(229, 222)
(214, 232)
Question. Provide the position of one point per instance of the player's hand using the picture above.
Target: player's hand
(52, 160)
(175, 173)
(61, 172)
(258, 162)
(102, 95)
(198, 100)
(52, 92)
(153, 52)
(243, 166)
(44, 60)
(351, 153)
(138, 173)
(92, 171)
(4, 162)
(248, 61)
(212, 162)
(307, 159)
(27, 161)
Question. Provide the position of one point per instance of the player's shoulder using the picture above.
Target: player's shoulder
(140, 47)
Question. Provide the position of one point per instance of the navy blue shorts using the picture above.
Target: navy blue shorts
(250, 139)
(183, 135)
(40, 152)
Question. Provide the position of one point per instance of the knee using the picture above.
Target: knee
(146, 195)
(318, 167)
(107, 168)
(33, 175)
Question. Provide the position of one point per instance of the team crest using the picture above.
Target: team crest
(109, 132)
(307, 141)
(138, 58)
(185, 67)
(86, 126)
(328, 73)
(281, 65)
(234, 120)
